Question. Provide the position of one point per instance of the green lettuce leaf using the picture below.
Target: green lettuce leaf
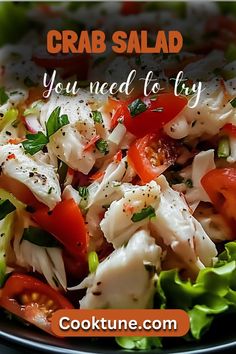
(141, 343)
(212, 293)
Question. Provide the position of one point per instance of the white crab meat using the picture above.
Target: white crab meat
(125, 278)
(202, 164)
(212, 112)
(117, 224)
(180, 230)
(39, 177)
(69, 143)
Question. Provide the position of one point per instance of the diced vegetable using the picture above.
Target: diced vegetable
(223, 150)
(93, 261)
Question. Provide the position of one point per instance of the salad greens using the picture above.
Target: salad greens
(36, 142)
(39, 237)
(212, 293)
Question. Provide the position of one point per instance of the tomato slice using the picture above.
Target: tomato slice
(19, 190)
(220, 185)
(66, 223)
(32, 300)
(229, 129)
(151, 115)
(152, 155)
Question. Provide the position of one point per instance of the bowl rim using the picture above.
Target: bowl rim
(47, 347)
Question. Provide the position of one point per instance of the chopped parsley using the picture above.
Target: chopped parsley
(137, 107)
(97, 117)
(189, 183)
(6, 207)
(83, 192)
(62, 171)
(36, 142)
(148, 212)
(3, 96)
(102, 146)
(233, 102)
(39, 237)
(56, 121)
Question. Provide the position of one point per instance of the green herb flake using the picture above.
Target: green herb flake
(83, 192)
(39, 237)
(148, 212)
(34, 143)
(233, 102)
(102, 146)
(62, 171)
(137, 107)
(50, 190)
(3, 96)
(189, 183)
(6, 207)
(56, 121)
(97, 117)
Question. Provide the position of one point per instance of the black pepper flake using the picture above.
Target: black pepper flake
(31, 174)
(30, 209)
(96, 293)
(8, 133)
